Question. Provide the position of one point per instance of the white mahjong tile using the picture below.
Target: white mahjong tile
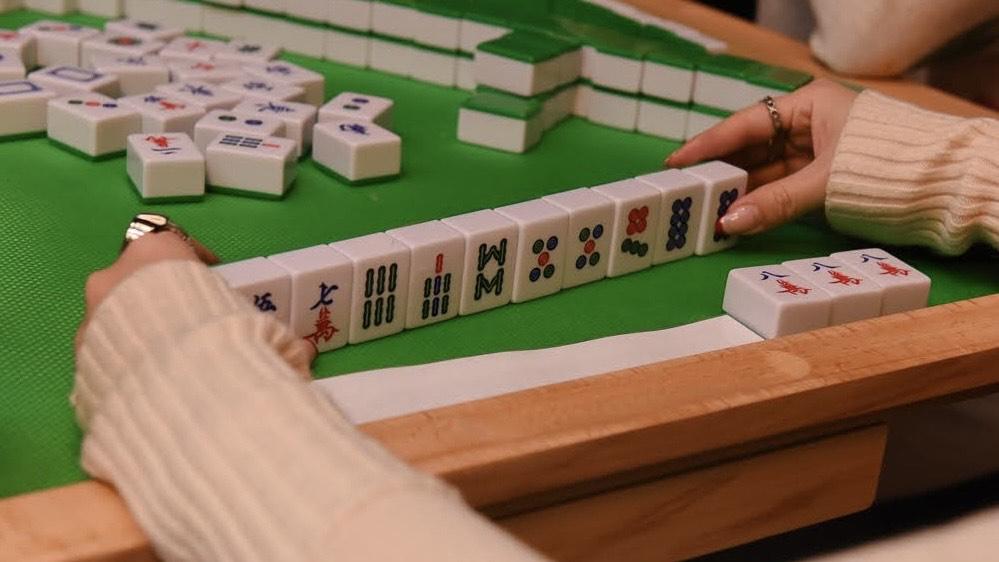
(612, 110)
(321, 286)
(350, 14)
(116, 45)
(164, 114)
(213, 72)
(354, 105)
(393, 57)
(252, 87)
(93, 124)
(347, 48)
(437, 30)
(272, 6)
(905, 288)
(773, 301)
(581, 105)
(855, 296)
(208, 96)
(259, 165)
(464, 73)
(434, 67)
(542, 228)
(357, 150)
(18, 46)
(489, 261)
(517, 77)
(499, 131)
(103, 8)
(140, 28)
(308, 9)
(165, 166)
(588, 241)
(723, 92)
(136, 75)
(617, 72)
(637, 207)
(304, 39)
(682, 201)
(219, 121)
(266, 284)
(298, 119)
(73, 79)
(58, 7)
(242, 51)
(667, 82)
(312, 82)
(58, 43)
(10, 68)
(661, 119)
(191, 49)
(436, 261)
(393, 20)
(724, 183)
(183, 15)
(24, 107)
(222, 22)
(472, 32)
(698, 122)
(380, 285)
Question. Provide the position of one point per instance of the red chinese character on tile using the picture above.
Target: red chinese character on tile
(888, 269)
(843, 279)
(324, 328)
(792, 289)
(159, 141)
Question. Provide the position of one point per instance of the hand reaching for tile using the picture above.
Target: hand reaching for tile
(795, 181)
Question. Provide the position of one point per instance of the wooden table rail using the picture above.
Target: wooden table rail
(545, 441)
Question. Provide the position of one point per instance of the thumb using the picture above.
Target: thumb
(778, 202)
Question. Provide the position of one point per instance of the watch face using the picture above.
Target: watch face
(154, 220)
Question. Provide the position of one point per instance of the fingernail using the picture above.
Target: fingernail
(739, 220)
(669, 161)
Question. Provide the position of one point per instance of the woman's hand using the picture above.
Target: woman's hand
(795, 182)
(147, 250)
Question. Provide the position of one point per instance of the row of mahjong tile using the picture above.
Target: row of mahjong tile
(527, 64)
(454, 25)
(808, 294)
(376, 285)
(173, 167)
(505, 122)
(123, 61)
(727, 83)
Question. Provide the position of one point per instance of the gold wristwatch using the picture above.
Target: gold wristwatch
(146, 223)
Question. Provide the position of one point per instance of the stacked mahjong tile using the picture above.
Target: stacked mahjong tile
(807, 294)
(530, 63)
(373, 286)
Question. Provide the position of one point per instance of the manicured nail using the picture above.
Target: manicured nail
(739, 220)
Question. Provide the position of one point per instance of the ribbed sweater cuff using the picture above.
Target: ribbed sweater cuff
(144, 314)
(218, 446)
(906, 176)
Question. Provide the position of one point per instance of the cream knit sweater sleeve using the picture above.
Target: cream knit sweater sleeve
(906, 176)
(198, 409)
(887, 37)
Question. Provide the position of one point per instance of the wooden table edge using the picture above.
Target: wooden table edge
(658, 416)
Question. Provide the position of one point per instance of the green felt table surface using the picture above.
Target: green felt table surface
(62, 216)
